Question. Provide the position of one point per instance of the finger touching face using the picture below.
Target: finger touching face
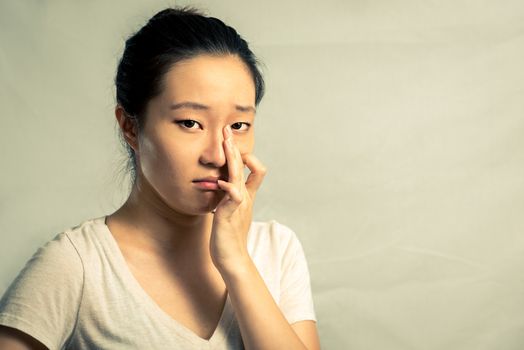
(184, 130)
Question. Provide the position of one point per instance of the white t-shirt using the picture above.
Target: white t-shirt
(77, 292)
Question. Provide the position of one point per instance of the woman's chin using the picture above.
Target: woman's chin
(211, 205)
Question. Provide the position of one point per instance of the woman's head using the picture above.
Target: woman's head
(170, 37)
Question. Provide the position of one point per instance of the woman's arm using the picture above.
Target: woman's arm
(262, 324)
(13, 339)
(307, 332)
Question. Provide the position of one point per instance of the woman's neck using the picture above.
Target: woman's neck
(151, 226)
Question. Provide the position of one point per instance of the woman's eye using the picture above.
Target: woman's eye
(238, 125)
(187, 123)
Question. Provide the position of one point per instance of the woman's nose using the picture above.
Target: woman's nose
(213, 151)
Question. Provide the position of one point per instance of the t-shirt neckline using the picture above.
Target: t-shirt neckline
(226, 317)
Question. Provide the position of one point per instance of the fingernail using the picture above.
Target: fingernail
(228, 131)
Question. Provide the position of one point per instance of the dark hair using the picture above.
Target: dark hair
(172, 35)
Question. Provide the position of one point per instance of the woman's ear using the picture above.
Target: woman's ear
(128, 127)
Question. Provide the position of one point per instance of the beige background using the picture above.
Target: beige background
(392, 131)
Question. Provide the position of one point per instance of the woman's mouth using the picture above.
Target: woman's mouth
(206, 185)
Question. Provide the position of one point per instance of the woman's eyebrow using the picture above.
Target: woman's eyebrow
(190, 105)
(245, 108)
(199, 106)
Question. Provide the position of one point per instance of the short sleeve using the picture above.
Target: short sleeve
(296, 300)
(44, 298)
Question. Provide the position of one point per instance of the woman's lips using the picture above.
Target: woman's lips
(209, 179)
(208, 182)
(207, 185)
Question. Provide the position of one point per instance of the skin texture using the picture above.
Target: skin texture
(13, 339)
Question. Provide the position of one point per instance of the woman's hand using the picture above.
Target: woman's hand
(233, 215)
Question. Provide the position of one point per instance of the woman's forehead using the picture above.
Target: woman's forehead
(210, 80)
(207, 69)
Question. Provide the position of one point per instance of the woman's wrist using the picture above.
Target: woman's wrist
(233, 271)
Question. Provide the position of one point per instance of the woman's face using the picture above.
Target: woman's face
(182, 139)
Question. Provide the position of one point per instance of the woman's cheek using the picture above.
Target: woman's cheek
(156, 156)
(245, 144)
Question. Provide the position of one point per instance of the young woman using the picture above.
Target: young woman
(181, 265)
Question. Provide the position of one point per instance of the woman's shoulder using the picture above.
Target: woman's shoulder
(271, 230)
(63, 252)
(272, 237)
(86, 230)
(66, 250)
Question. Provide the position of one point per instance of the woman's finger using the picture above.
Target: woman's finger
(231, 190)
(231, 201)
(235, 172)
(234, 187)
(256, 176)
